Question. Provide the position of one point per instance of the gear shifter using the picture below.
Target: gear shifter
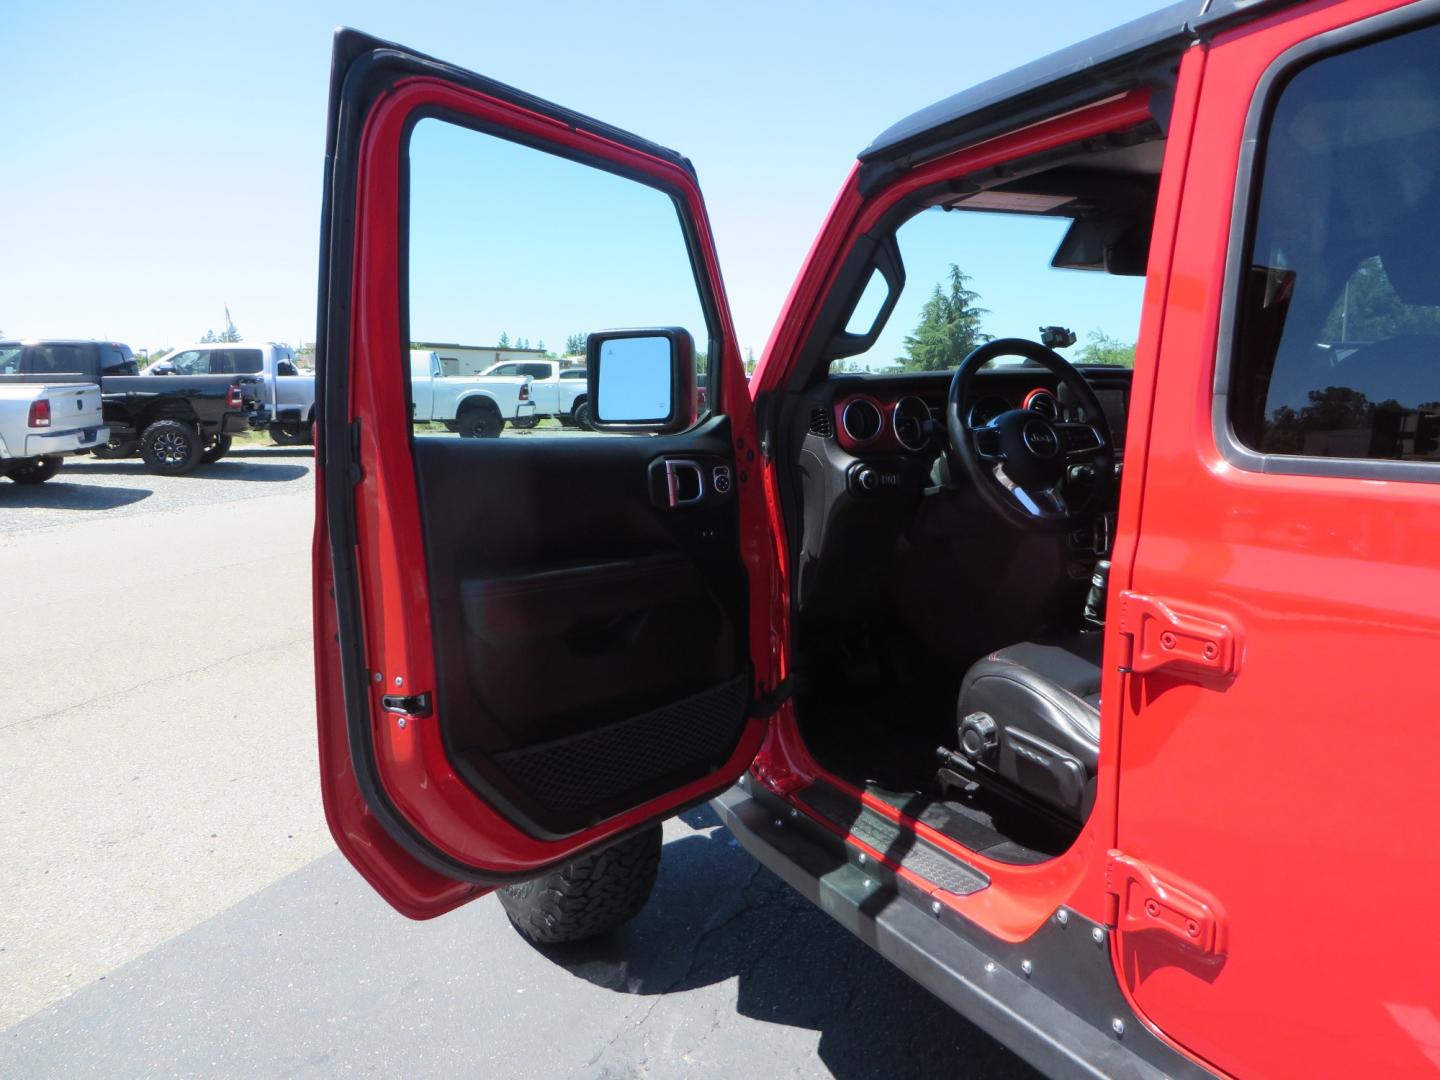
(1095, 598)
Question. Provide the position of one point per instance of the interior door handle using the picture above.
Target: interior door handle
(684, 481)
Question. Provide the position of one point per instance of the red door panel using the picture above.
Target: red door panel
(1278, 787)
(425, 835)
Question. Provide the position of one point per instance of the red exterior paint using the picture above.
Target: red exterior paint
(1298, 795)
(412, 762)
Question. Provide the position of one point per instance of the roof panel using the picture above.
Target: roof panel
(1055, 78)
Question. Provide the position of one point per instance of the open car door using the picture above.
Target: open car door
(530, 646)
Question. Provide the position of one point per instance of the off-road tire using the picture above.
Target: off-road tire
(171, 447)
(587, 897)
(116, 449)
(216, 447)
(480, 422)
(581, 416)
(37, 471)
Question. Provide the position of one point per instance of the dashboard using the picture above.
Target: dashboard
(866, 450)
(904, 414)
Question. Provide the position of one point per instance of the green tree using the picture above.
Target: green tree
(575, 344)
(1100, 348)
(504, 342)
(949, 327)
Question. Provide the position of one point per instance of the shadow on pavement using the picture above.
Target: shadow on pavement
(717, 915)
(263, 452)
(221, 470)
(67, 495)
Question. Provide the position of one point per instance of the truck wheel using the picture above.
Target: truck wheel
(588, 896)
(216, 447)
(292, 434)
(582, 415)
(524, 423)
(171, 447)
(37, 471)
(116, 448)
(480, 422)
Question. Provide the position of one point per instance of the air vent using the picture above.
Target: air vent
(1044, 403)
(821, 423)
(911, 421)
(862, 420)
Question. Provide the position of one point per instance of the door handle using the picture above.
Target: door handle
(684, 481)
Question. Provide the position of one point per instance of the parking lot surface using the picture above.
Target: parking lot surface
(173, 903)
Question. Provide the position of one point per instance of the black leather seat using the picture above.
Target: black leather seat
(1030, 715)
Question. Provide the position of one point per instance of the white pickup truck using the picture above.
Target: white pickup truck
(285, 392)
(476, 406)
(41, 423)
(558, 390)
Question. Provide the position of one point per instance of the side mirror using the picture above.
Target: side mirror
(641, 380)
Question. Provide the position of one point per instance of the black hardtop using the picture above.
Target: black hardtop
(1130, 55)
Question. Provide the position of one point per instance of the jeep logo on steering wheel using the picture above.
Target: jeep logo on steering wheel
(1040, 438)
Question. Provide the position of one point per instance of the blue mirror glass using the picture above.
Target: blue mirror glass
(634, 380)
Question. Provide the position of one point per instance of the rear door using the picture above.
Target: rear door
(526, 647)
(1276, 878)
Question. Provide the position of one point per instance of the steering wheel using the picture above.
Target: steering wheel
(1020, 462)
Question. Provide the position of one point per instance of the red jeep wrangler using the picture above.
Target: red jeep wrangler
(1178, 833)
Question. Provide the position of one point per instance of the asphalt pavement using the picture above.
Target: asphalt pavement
(173, 904)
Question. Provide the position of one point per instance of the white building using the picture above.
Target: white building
(457, 359)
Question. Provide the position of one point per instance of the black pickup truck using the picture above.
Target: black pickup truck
(175, 423)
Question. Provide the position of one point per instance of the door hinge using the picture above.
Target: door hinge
(1164, 637)
(1147, 900)
(416, 705)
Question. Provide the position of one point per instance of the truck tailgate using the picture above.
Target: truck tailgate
(72, 405)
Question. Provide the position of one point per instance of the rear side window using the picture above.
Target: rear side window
(1337, 346)
(61, 359)
(535, 371)
(235, 362)
(10, 359)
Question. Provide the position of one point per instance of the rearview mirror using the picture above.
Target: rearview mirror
(641, 380)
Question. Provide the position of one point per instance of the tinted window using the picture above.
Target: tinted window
(506, 369)
(10, 359)
(117, 360)
(235, 362)
(573, 373)
(58, 359)
(1337, 350)
(535, 371)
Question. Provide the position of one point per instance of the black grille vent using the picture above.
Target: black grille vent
(822, 423)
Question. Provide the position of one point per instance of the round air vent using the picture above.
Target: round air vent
(911, 419)
(862, 420)
(1043, 402)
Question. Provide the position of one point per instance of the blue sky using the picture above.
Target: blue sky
(164, 160)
